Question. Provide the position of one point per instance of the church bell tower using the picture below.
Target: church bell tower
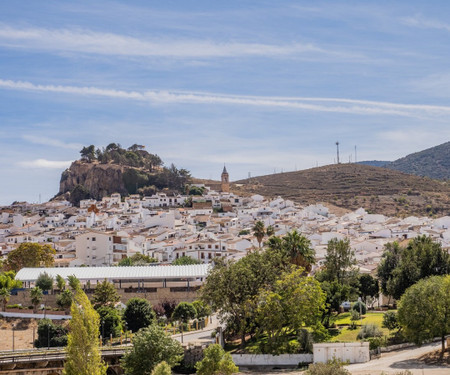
(225, 181)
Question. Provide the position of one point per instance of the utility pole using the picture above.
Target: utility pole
(337, 148)
(356, 160)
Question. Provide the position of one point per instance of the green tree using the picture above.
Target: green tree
(30, 255)
(162, 368)
(60, 282)
(105, 294)
(184, 312)
(339, 262)
(298, 249)
(424, 310)
(368, 287)
(138, 314)
(36, 297)
(64, 300)
(44, 281)
(88, 153)
(259, 231)
(4, 297)
(74, 283)
(151, 346)
(111, 321)
(270, 231)
(7, 283)
(203, 310)
(402, 267)
(216, 362)
(296, 301)
(186, 260)
(137, 259)
(83, 347)
(231, 288)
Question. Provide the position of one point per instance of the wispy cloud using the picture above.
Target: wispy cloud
(88, 41)
(46, 141)
(44, 163)
(425, 23)
(333, 105)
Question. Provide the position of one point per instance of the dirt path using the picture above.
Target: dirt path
(23, 333)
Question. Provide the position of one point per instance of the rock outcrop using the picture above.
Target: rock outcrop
(98, 179)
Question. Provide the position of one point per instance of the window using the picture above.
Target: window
(202, 255)
(209, 255)
(94, 239)
(209, 246)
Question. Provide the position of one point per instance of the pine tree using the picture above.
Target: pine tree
(83, 353)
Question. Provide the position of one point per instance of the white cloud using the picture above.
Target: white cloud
(333, 105)
(425, 23)
(43, 163)
(52, 142)
(87, 41)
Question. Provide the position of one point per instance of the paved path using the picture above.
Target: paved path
(394, 362)
(201, 336)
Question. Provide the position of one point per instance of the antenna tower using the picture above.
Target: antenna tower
(356, 160)
(337, 148)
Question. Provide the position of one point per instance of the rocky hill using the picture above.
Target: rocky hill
(117, 170)
(351, 186)
(433, 162)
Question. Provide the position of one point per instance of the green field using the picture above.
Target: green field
(347, 335)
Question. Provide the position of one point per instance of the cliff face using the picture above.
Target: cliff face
(99, 179)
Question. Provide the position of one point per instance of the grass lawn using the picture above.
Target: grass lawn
(347, 335)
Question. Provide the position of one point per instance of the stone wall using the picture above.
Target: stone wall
(154, 295)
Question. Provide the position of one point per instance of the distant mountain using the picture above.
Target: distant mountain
(433, 162)
(374, 163)
(351, 186)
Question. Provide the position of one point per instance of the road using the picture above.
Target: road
(395, 362)
(199, 336)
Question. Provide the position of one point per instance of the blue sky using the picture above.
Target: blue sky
(258, 85)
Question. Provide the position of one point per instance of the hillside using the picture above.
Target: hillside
(117, 170)
(351, 186)
(433, 162)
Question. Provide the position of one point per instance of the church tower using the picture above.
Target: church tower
(225, 181)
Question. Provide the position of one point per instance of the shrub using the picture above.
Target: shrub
(331, 368)
(216, 361)
(162, 369)
(390, 321)
(369, 330)
(50, 334)
(357, 308)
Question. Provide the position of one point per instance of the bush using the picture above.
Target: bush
(162, 369)
(331, 368)
(216, 361)
(357, 308)
(369, 330)
(48, 330)
(390, 321)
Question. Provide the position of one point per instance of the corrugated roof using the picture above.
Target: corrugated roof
(133, 272)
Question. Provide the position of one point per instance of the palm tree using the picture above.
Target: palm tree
(299, 250)
(36, 295)
(259, 231)
(270, 231)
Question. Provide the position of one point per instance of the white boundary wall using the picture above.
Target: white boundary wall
(353, 352)
(271, 360)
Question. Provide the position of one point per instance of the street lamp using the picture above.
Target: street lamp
(103, 331)
(126, 332)
(13, 325)
(48, 336)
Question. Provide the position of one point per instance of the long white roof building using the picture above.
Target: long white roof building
(146, 273)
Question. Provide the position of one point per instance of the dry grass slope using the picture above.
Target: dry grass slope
(351, 186)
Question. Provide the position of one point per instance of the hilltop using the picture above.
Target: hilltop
(118, 170)
(433, 162)
(351, 186)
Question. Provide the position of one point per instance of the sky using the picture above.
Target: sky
(262, 86)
